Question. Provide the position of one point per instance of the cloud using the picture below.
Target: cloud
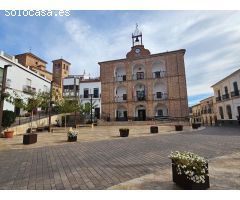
(211, 38)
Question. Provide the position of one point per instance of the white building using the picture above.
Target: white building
(91, 89)
(227, 97)
(21, 80)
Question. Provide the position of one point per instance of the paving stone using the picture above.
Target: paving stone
(102, 164)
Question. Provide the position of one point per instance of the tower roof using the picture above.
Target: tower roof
(62, 60)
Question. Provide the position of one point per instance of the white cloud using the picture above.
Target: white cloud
(211, 38)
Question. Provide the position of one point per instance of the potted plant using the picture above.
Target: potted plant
(7, 120)
(72, 135)
(124, 132)
(189, 170)
(29, 103)
(178, 127)
(153, 129)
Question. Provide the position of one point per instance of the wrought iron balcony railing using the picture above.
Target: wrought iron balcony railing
(235, 93)
(225, 96)
(160, 96)
(138, 76)
(218, 99)
(159, 74)
(28, 89)
(121, 98)
(120, 78)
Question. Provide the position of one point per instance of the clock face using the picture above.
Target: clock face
(137, 50)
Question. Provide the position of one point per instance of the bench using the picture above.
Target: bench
(40, 129)
(85, 125)
(58, 129)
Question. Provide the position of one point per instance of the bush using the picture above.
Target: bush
(8, 118)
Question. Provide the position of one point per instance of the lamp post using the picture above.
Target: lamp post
(50, 108)
(2, 93)
(91, 103)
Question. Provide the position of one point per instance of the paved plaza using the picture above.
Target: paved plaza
(137, 162)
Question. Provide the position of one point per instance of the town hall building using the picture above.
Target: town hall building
(144, 86)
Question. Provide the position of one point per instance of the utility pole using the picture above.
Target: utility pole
(50, 108)
(2, 93)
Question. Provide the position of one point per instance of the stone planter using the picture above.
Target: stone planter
(8, 134)
(196, 125)
(154, 129)
(72, 139)
(30, 138)
(124, 132)
(182, 181)
(178, 127)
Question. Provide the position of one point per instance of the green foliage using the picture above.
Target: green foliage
(8, 118)
(67, 106)
(85, 109)
(31, 102)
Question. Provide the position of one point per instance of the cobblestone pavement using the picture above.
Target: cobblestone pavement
(102, 164)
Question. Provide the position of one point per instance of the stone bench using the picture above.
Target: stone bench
(58, 129)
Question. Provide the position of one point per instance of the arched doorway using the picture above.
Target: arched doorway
(140, 113)
(121, 114)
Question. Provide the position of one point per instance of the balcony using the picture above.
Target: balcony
(120, 78)
(140, 98)
(159, 74)
(70, 94)
(218, 99)
(120, 99)
(28, 89)
(160, 96)
(225, 96)
(138, 76)
(235, 93)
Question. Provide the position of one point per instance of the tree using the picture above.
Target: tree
(30, 102)
(8, 118)
(67, 106)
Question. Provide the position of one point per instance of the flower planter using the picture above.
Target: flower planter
(72, 139)
(8, 134)
(178, 127)
(154, 129)
(124, 132)
(30, 138)
(195, 126)
(185, 183)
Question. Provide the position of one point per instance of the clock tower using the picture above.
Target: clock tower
(138, 49)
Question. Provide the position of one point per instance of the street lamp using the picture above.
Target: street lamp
(2, 93)
(91, 104)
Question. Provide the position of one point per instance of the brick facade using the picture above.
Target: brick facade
(144, 85)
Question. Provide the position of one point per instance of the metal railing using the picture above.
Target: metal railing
(159, 74)
(225, 96)
(29, 89)
(120, 78)
(138, 76)
(160, 96)
(121, 98)
(235, 93)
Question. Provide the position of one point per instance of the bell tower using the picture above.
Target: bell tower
(137, 37)
(138, 49)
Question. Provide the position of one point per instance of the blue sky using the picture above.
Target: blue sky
(211, 38)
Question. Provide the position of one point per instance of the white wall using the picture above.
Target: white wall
(18, 74)
(90, 86)
(233, 102)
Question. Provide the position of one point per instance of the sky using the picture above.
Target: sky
(211, 40)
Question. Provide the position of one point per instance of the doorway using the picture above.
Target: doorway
(141, 115)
